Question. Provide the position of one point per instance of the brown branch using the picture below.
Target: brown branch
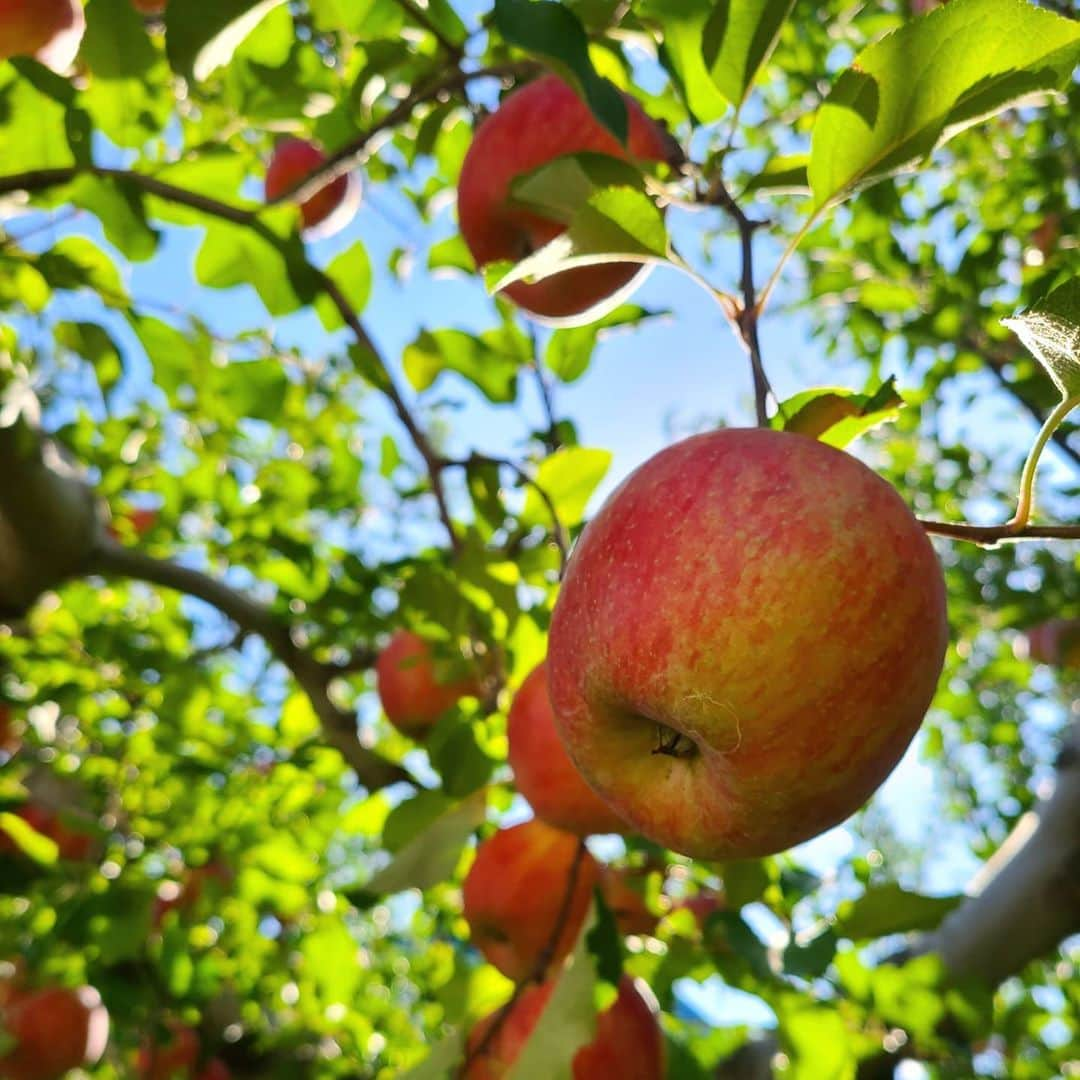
(992, 535)
(421, 18)
(41, 179)
(314, 678)
(353, 153)
(539, 969)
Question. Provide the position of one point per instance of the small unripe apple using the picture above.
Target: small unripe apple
(55, 1030)
(747, 638)
(48, 30)
(628, 1044)
(533, 126)
(412, 687)
(294, 160)
(514, 891)
(543, 771)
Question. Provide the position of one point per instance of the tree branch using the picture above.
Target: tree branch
(992, 535)
(339, 727)
(421, 18)
(746, 317)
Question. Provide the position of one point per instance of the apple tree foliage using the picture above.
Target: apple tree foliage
(905, 177)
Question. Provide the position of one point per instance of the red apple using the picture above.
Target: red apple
(624, 893)
(138, 521)
(48, 30)
(150, 7)
(190, 892)
(292, 161)
(543, 771)
(540, 122)
(747, 638)
(176, 1058)
(514, 892)
(55, 1030)
(1045, 238)
(628, 1044)
(701, 906)
(215, 1069)
(413, 690)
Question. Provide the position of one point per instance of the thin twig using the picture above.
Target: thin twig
(746, 318)
(339, 727)
(421, 18)
(539, 969)
(353, 153)
(992, 535)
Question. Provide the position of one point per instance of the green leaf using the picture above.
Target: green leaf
(737, 40)
(559, 188)
(298, 720)
(93, 343)
(1050, 330)
(784, 174)
(34, 133)
(451, 254)
(549, 30)
(251, 388)
(431, 856)
(233, 255)
(569, 351)
(837, 416)
(568, 477)
(604, 941)
(484, 361)
(410, 818)
(127, 96)
(351, 272)
(914, 89)
(745, 880)
(201, 38)
(817, 1041)
(568, 1021)
(810, 960)
(28, 840)
(682, 24)
(890, 909)
(118, 205)
(615, 225)
(442, 1062)
(78, 263)
(177, 359)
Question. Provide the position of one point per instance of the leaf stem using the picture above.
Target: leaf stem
(1027, 478)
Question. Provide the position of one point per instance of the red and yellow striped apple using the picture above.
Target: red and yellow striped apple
(748, 636)
(543, 771)
(537, 124)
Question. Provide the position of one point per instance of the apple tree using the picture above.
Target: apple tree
(311, 310)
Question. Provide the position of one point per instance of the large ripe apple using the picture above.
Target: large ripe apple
(513, 895)
(54, 1029)
(414, 690)
(747, 638)
(628, 1044)
(543, 771)
(536, 124)
(48, 30)
(331, 208)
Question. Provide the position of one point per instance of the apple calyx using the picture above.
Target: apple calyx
(672, 743)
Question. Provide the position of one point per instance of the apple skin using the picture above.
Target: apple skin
(150, 7)
(294, 159)
(627, 900)
(543, 771)
(538, 123)
(215, 1069)
(55, 1030)
(747, 638)
(514, 891)
(407, 679)
(48, 30)
(628, 1044)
